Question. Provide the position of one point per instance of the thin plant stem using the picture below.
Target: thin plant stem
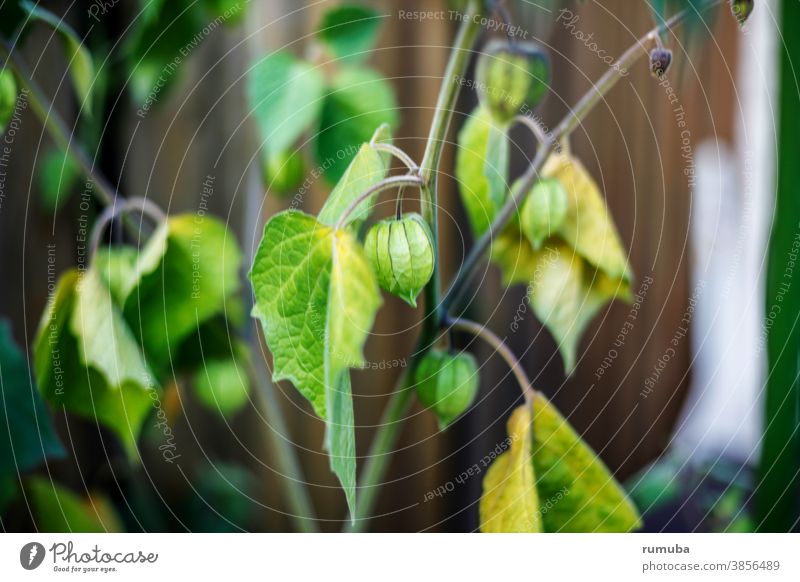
(501, 348)
(397, 153)
(386, 184)
(567, 125)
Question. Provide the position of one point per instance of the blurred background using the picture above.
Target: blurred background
(675, 408)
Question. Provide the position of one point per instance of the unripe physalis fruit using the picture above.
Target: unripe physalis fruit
(447, 383)
(512, 78)
(284, 172)
(402, 255)
(742, 9)
(660, 60)
(8, 97)
(543, 211)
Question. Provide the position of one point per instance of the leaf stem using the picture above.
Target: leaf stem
(385, 184)
(397, 153)
(105, 193)
(567, 125)
(501, 348)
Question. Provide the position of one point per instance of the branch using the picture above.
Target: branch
(567, 125)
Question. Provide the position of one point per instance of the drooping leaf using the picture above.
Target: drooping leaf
(27, 434)
(285, 96)
(88, 361)
(479, 200)
(367, 169)
(510, 501)
(564, 290)
(495, 165)
(79, 59)
(58, 510)
(316, 298)
(184, 276)
(59, 175)
(588, 226)
(350, 31)
(585, 497)
(358, 102)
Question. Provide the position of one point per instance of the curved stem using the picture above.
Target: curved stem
(146, 207)
(536, 128)
(501, 348)
(386, 184)
(44, 110)
(397, 153)
(567, 125)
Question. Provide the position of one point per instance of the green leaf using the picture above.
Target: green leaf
(359, 101)
(350, 31)
(87, 359)
(58, 510)
(495, 165)
(316, 298)
(59, 176)
(285, 96)
(79, 59)
(510, 501)
(230, 12)
(223, 384)
(184, 276)
(588, 226)
(27, 434)
(584, 496)
(367, 169)
(564, 290)
(471, 170)
(8, 97)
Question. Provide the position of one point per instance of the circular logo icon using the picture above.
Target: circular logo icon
(31, 555)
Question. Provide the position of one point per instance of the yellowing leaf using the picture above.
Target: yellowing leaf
(510, 502)
(59, 510)
(580, 493)
(565, 291)
(588, 226)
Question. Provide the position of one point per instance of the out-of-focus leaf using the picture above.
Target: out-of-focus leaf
(184, 276)
(588, 226)
(8, 97)
(285, 97)
(510, 501)
(495, 165)
(224, 499)
(87, 359)
(27, 434)
(11, 17)
(231, 12)
(584, 495)
(223, 384)
(350, 31)
(59, 176)
(471, 168)
(316, 298)
(359, 101)
(367, 169)
(58, 510)
(79, 59)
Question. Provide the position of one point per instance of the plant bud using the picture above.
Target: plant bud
(447, 383)
(8, 97)
(660, 60)
(543, 211)
(402, 255)
(742, 9)
(284, 172)
(512, 79)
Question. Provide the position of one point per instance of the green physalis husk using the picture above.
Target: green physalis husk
(401, 253)
(8, 97)
(447, 383)
(543, 211)
(512, 79)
